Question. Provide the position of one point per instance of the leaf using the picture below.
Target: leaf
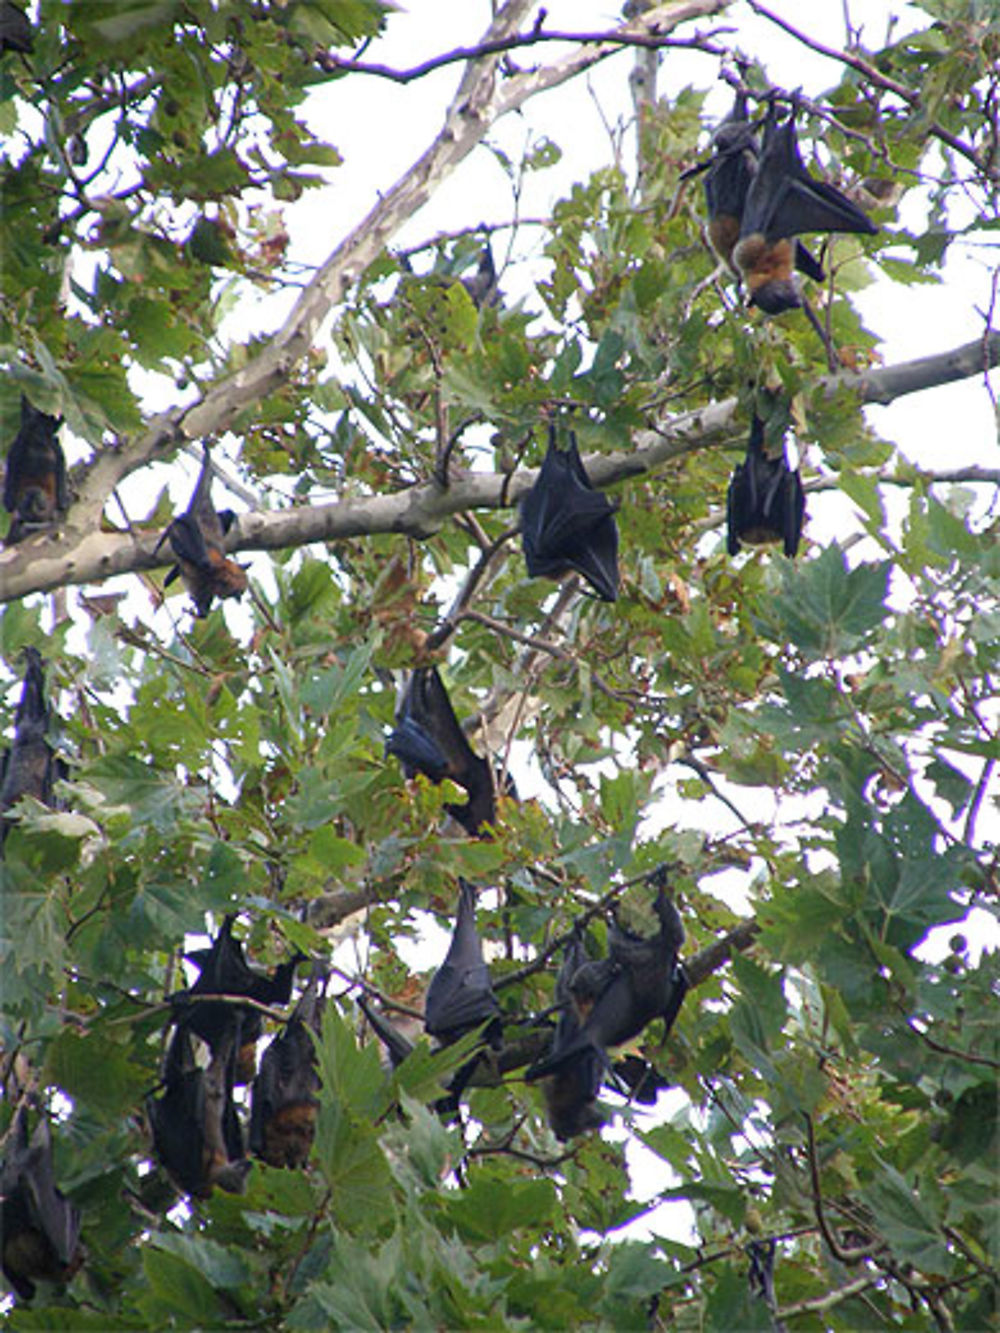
(911, 1228)
(825, 609)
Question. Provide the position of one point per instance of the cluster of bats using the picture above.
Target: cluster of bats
(760, 198)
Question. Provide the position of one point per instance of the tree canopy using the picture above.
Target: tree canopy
(798, 755)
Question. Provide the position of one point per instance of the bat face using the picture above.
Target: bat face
(460, 996)
(283, 1098)
(784, 201)
(567, 524)
(766, 502)
(30, 767)
(40, 1228)
(428, 739)
(197, 540)
(35, 487)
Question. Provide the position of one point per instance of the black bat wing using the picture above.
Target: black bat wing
(177, 1117)
(460, 996)
(416, 750)
(51, 1211)
(785, 200)
(187, 541)
(393, 1040)
(431, 729)
(794, 511)
(201, 508)
(482, 287)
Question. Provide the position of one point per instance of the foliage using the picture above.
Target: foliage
(839, 1087)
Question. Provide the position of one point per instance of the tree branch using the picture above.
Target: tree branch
(71, 556)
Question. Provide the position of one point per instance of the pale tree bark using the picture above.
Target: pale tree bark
(72, 557)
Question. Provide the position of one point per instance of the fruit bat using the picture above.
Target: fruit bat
(460, 996)
(567, 524)
(40, 1228)
(196, 1131)
(783, 201)
(571, 1090)
(760, 1275)
(428, 739)
(729, 174)
(765, 502)
(30, 766)
(198, 541)
(615, 997)
(223, 970)
(283, 1100)
(482, 286)
(35, 490)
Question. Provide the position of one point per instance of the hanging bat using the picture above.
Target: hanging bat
(198, 541)
(614, 998)
(30, 766)
(729, 174)
(760, 1275)
(765, 502)
(782, 202)
(224, 970)
(283, 1100)
(567, 524)
(196, 1130)
(571, 1090)
(428, 739)
(40, 1228)
(483, 286)
(35, 490)
(460, 996)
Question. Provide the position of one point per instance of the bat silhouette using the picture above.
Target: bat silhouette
(460, 996)
(760, 1275)
(396, 1044)
(614, 998)
(783, 201)
(40, 1228)
(35, 489)
(29, 767)
(198, 541)
(283, 1100)
(428, 739)
(571, 1090)
(567, 524)
(196, 1130)
(765, 502)
(15, 30)
(224, 970)
(483, 286)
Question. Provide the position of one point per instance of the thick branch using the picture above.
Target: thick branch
(475, 108)
(48, 562)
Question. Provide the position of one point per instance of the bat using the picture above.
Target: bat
(428, 739)
(571, 1090)
(760, 1275)
(567, 524)
(30, 766)
(35, 489)
(198, 541)
(195, 1128)
(729, 174)
(614, 998)
(224, 970)
(460, 996)
(483, 286)
(782, 202)
(283, 1100)
(39, 1226)
(765, 502)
